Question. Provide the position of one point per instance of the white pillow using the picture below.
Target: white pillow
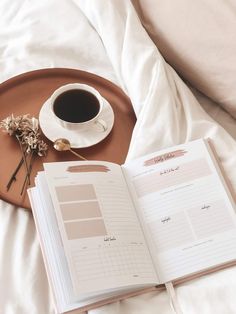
(198, 39)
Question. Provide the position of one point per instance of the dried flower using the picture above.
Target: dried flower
(26, 131)
(15, 126)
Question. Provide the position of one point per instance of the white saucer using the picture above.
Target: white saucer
(78, 139)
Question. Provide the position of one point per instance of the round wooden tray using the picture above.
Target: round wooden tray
(26, 93)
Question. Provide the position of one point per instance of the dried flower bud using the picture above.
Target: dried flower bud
(26, 131)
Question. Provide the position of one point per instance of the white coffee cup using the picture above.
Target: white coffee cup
(78, 107)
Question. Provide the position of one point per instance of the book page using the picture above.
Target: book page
(101, 234)
(187, 212)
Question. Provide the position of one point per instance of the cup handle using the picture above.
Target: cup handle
(102, 124)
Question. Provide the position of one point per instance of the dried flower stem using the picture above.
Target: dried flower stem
(24, 159)
(13, 176)
(27, 174)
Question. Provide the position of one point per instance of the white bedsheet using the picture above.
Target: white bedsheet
(106, 38)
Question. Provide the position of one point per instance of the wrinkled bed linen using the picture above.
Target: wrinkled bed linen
(106, 38)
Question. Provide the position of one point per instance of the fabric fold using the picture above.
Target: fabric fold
(167, 111)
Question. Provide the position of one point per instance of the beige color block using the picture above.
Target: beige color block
(81, 210)
(78, 192)
(85, 229)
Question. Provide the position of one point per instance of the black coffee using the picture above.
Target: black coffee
(76, 105)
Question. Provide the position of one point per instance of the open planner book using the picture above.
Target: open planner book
(107, 230)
